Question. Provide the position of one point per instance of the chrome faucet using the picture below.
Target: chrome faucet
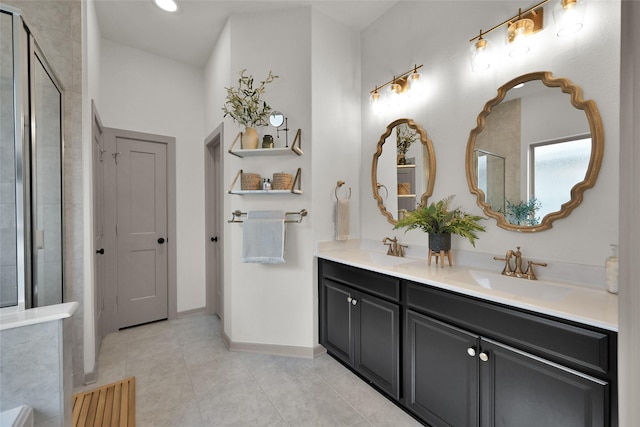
(395, 248)
(517, 272)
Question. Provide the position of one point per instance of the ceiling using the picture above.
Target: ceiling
(190, 34)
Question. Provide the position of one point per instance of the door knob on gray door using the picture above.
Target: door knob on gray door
(161, 240)
(100, 251)
(214, 239)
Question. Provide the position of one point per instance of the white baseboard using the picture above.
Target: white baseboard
(274, 349)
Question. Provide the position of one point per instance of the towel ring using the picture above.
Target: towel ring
(385, 189)
(338, 185)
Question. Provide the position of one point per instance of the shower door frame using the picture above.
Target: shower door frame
(26, 51)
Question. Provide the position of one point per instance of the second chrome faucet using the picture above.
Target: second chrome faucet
(517, 271)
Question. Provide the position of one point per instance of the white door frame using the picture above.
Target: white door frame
(110, 216)
(214, 203)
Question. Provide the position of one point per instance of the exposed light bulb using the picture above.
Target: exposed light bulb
(569, 16)
(167, 5)
(480, 54)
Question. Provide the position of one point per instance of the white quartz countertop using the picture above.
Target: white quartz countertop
(566, 301)
(14, 318)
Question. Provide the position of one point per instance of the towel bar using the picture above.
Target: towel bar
(237, 214)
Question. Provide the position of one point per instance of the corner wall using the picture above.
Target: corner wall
(275, 306)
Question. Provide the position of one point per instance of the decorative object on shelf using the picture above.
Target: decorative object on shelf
(568, 16)
(439, 219)
(405, 137)
(404, 188)
(282, 181)
(245, 106)
(267, 141)
(611, 270)
(398, 85)
(254, 185)
(250, 181)
(276, 121)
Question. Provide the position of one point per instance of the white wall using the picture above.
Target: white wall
(439, 38)
(147, 93)
(268, 304)
(335, 57)
(90, 91)
(277, 304)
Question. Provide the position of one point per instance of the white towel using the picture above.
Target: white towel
(342, 219)
(263, 237)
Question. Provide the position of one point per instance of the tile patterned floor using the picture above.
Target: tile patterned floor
(185, 377)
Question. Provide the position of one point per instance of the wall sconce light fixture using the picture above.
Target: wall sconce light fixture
(399, 86)
(568, 16)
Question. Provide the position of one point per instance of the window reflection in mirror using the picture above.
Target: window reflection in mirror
(534, 143)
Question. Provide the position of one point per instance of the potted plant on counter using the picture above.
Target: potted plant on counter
(245, 106)
(440, 221)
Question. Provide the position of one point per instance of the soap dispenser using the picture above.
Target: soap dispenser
(611, 270)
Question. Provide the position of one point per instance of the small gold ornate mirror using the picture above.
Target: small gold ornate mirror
(537, 147)
(402, 176)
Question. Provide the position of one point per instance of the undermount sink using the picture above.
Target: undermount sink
(537, 289)
(388, 260)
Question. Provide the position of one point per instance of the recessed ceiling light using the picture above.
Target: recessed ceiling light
(168, 5)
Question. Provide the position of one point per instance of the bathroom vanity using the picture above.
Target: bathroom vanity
(452, 352)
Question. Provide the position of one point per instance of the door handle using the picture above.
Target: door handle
(214, 239)
(100, 251)
(161, 240)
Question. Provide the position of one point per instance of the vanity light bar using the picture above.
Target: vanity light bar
(535, 13)
(400, 82)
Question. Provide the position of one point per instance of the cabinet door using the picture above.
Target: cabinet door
(336, 318)
(522, 390)
(441, 372)
(377, 341)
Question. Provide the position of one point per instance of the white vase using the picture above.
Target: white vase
(250, 139)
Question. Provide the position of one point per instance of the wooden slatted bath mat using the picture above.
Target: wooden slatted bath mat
(111, 405)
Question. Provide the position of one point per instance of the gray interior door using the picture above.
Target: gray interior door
(98, 160)
(141, 229)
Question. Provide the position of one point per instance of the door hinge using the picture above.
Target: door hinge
(116, 229)
(116, 299)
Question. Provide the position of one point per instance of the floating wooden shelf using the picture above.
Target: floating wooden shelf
(280, 151)
(295, 186)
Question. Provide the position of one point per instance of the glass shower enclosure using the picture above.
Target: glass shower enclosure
(31, 171)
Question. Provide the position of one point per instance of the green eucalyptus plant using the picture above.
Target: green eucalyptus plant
(439, 218)
(243, 103)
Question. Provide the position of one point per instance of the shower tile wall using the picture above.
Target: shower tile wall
(8, 276)
(57, 25)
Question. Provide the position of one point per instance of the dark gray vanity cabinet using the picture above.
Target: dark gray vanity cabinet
(360, 322)
(455, 360)
(473, 363)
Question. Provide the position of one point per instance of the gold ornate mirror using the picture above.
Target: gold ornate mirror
(402, 175)
(537, 147)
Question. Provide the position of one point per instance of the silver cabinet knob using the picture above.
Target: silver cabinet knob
(484, 356)
(349, 299)
(354, 301)
(471, 351)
